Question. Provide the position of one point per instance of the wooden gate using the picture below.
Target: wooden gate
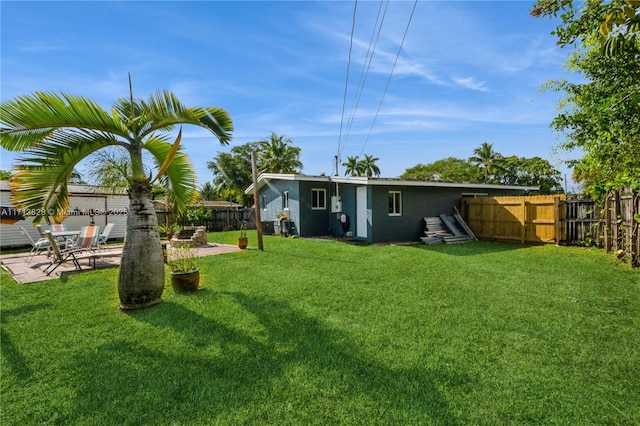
(517, 218)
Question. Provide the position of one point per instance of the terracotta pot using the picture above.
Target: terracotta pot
(185, 281)
(242, 242)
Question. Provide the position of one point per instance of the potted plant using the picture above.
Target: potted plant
(185, 270)
(171, 231)
(242, 239)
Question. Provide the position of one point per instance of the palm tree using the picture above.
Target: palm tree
(487, 159)
(55, 132)
(368, 166)
(353, 167)
(278, 156)
(110, 168)
(208, 192)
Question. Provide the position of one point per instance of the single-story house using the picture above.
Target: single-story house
(374, 210)
(87, 204)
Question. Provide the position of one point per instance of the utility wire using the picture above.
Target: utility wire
(366, 66)
(390, 75)
(346, 83)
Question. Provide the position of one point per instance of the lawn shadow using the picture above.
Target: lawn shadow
(16, 362)
(474, 248)
(290, 369)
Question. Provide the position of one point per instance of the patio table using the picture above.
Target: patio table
(63, 236)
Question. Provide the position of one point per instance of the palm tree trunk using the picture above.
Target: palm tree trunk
(141, 278)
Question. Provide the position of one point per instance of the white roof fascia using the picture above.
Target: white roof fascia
(400, 182)
(286, 176)
(360, 180)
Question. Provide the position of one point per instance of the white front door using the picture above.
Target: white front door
(361, 211)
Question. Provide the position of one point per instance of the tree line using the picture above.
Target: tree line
(599, 116)
(489, 166)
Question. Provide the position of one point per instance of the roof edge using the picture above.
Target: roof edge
(362, 180)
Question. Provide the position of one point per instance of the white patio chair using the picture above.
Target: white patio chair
(104, 236)
(37, 246)
(87, 240)
(60, 255)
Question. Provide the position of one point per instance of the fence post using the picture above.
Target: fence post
(523, 230)
(607, 223)
(635, 229)
(556, 219)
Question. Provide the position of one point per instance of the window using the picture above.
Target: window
(264, 202)
(395, 203)
(318, 199)
(285, 200)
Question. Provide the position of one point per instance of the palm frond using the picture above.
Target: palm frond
(41, 183)
(28, 120)
(180, 174)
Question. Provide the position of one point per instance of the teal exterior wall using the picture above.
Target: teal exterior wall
(314, 223)
(348, 198)
(273, 192)
(417, 203)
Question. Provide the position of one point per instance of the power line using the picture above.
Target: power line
(366, 66)
(346, 83)
(390, 75)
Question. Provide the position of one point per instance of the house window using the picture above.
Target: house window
(395, 203)
(319, 199)
(285, 200)
(264, 202)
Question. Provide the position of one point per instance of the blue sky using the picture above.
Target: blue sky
(468, 72)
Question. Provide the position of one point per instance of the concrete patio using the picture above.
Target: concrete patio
(24, 271)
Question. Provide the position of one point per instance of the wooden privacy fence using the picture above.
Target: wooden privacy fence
(621, 228)
(517, 218)
(221, 219)
(554, 219)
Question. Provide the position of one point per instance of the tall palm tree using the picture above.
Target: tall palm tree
(208, 192)
(55, 132)
(277, 155)
(353, 167)
(487, 159)
(368, 166)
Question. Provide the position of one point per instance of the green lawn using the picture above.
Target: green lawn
(323, 332)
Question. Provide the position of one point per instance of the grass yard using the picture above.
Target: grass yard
(323, 332)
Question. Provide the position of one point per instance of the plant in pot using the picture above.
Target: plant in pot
(185, 270)
(171, 231)
(242, 239)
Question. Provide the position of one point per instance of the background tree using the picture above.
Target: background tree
(598, 117)
(278, 155)
(512, 171)
(111, 168)
(613, 25)
(5, 174)
(531, 172)
(446, 170)
(353, 167)
(232, 173)
(368, 167)
(207, 192)
(56, 132)
(488, 160)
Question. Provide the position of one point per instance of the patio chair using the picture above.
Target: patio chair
(104, 236)
(41, 230)
(87, 239)
(60, 255)
(58, 227)
(37, 246)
